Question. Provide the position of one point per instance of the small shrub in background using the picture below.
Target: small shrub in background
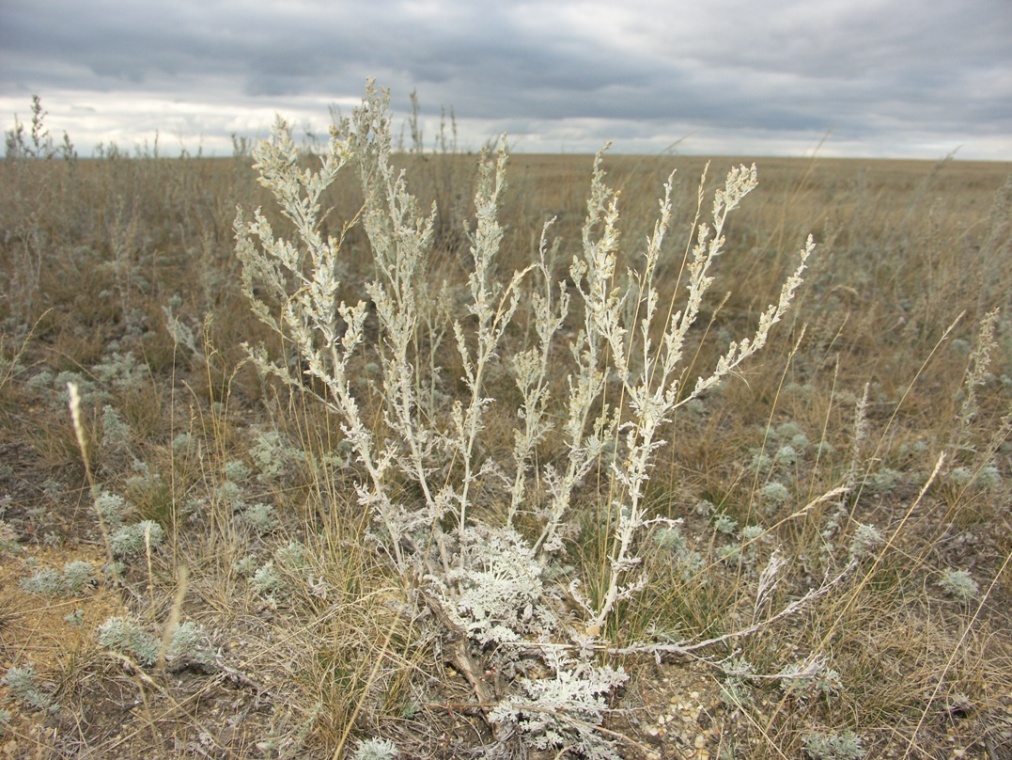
(112, 509)
(128, 637)
(987, 477)
(774, 495)
(115, 432)
(276, 458)
(188, 647)
(267, 581)
(46, 582)
(866, 539)
(262, 518)
(845, 745)
(959, 585)
(25, 688)
(237, 471)
(375, 749)
(131, 540)
(809, 681)
(76, 576)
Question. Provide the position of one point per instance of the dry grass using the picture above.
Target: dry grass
(912, 256)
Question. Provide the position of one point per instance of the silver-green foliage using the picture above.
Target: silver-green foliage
(188, 645)
(845, 745)
(112, 508)
(77, 575)
(48, 582)
(130, 540)
(275, 457)
(44, 582)
(268, 581)
(959, 584)
(810, 680)
(375, 749)
(866, 539)
(484, 581)
(25, 687)
(128, 637)
(115, 432)
(261, 517)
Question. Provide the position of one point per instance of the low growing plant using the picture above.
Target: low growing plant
(128, 637)
(25, 687)
(267, 581)
(189, 647)
(131, 540)
(375, 749)
(959, 584)
(76, 576)
(484, 573)
(45, 582)
(845, 745)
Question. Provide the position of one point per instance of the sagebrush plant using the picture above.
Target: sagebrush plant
(25, 687)
(131, 540)
(129, 637)
(375, 749)
(76, 576)
(959, 584)
(845, 745)
(481, 571)
(186, 645)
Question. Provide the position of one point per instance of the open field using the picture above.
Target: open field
(237, 600)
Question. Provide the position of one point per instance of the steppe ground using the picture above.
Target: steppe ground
(891, 375)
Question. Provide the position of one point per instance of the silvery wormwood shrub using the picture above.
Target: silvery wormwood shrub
(487, 582)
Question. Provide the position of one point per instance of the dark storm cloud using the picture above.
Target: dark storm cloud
(899, 76)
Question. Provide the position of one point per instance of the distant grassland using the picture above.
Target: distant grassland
(891, 375)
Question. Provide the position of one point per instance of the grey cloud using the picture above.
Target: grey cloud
(871, 70)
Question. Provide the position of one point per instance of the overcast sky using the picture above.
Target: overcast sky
(905, 78)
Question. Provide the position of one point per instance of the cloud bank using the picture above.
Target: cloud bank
(860, 77)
